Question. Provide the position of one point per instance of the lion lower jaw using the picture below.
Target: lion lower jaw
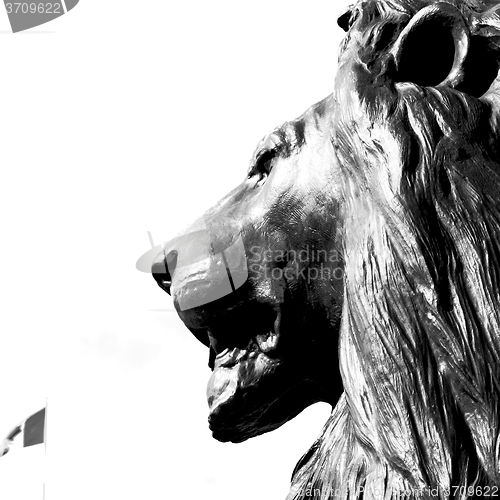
(234, 370)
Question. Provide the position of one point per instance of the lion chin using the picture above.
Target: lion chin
(358, 263)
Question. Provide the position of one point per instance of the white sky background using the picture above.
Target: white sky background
(119, 118)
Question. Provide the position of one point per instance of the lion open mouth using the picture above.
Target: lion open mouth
(266, 343)
(230, 340)
(241, 360)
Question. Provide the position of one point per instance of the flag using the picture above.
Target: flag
(33, 429)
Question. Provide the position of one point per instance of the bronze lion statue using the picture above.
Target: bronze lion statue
(358, 263)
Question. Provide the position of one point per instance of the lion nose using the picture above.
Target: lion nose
(163, 268)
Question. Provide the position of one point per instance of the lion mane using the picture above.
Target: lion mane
(420, 335)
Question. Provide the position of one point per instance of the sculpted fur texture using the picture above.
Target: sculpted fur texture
(361, 260)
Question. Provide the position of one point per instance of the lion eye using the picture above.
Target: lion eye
(263, 164)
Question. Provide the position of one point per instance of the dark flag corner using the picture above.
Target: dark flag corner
(34, 428)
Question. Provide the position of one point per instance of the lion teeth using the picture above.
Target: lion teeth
(223, 353)
(267, 342)
(230, 357)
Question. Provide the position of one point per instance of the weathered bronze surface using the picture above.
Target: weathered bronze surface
(358, 263)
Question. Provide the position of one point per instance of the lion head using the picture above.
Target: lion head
(358, 263)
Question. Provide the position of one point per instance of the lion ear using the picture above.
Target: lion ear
(432, 48)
